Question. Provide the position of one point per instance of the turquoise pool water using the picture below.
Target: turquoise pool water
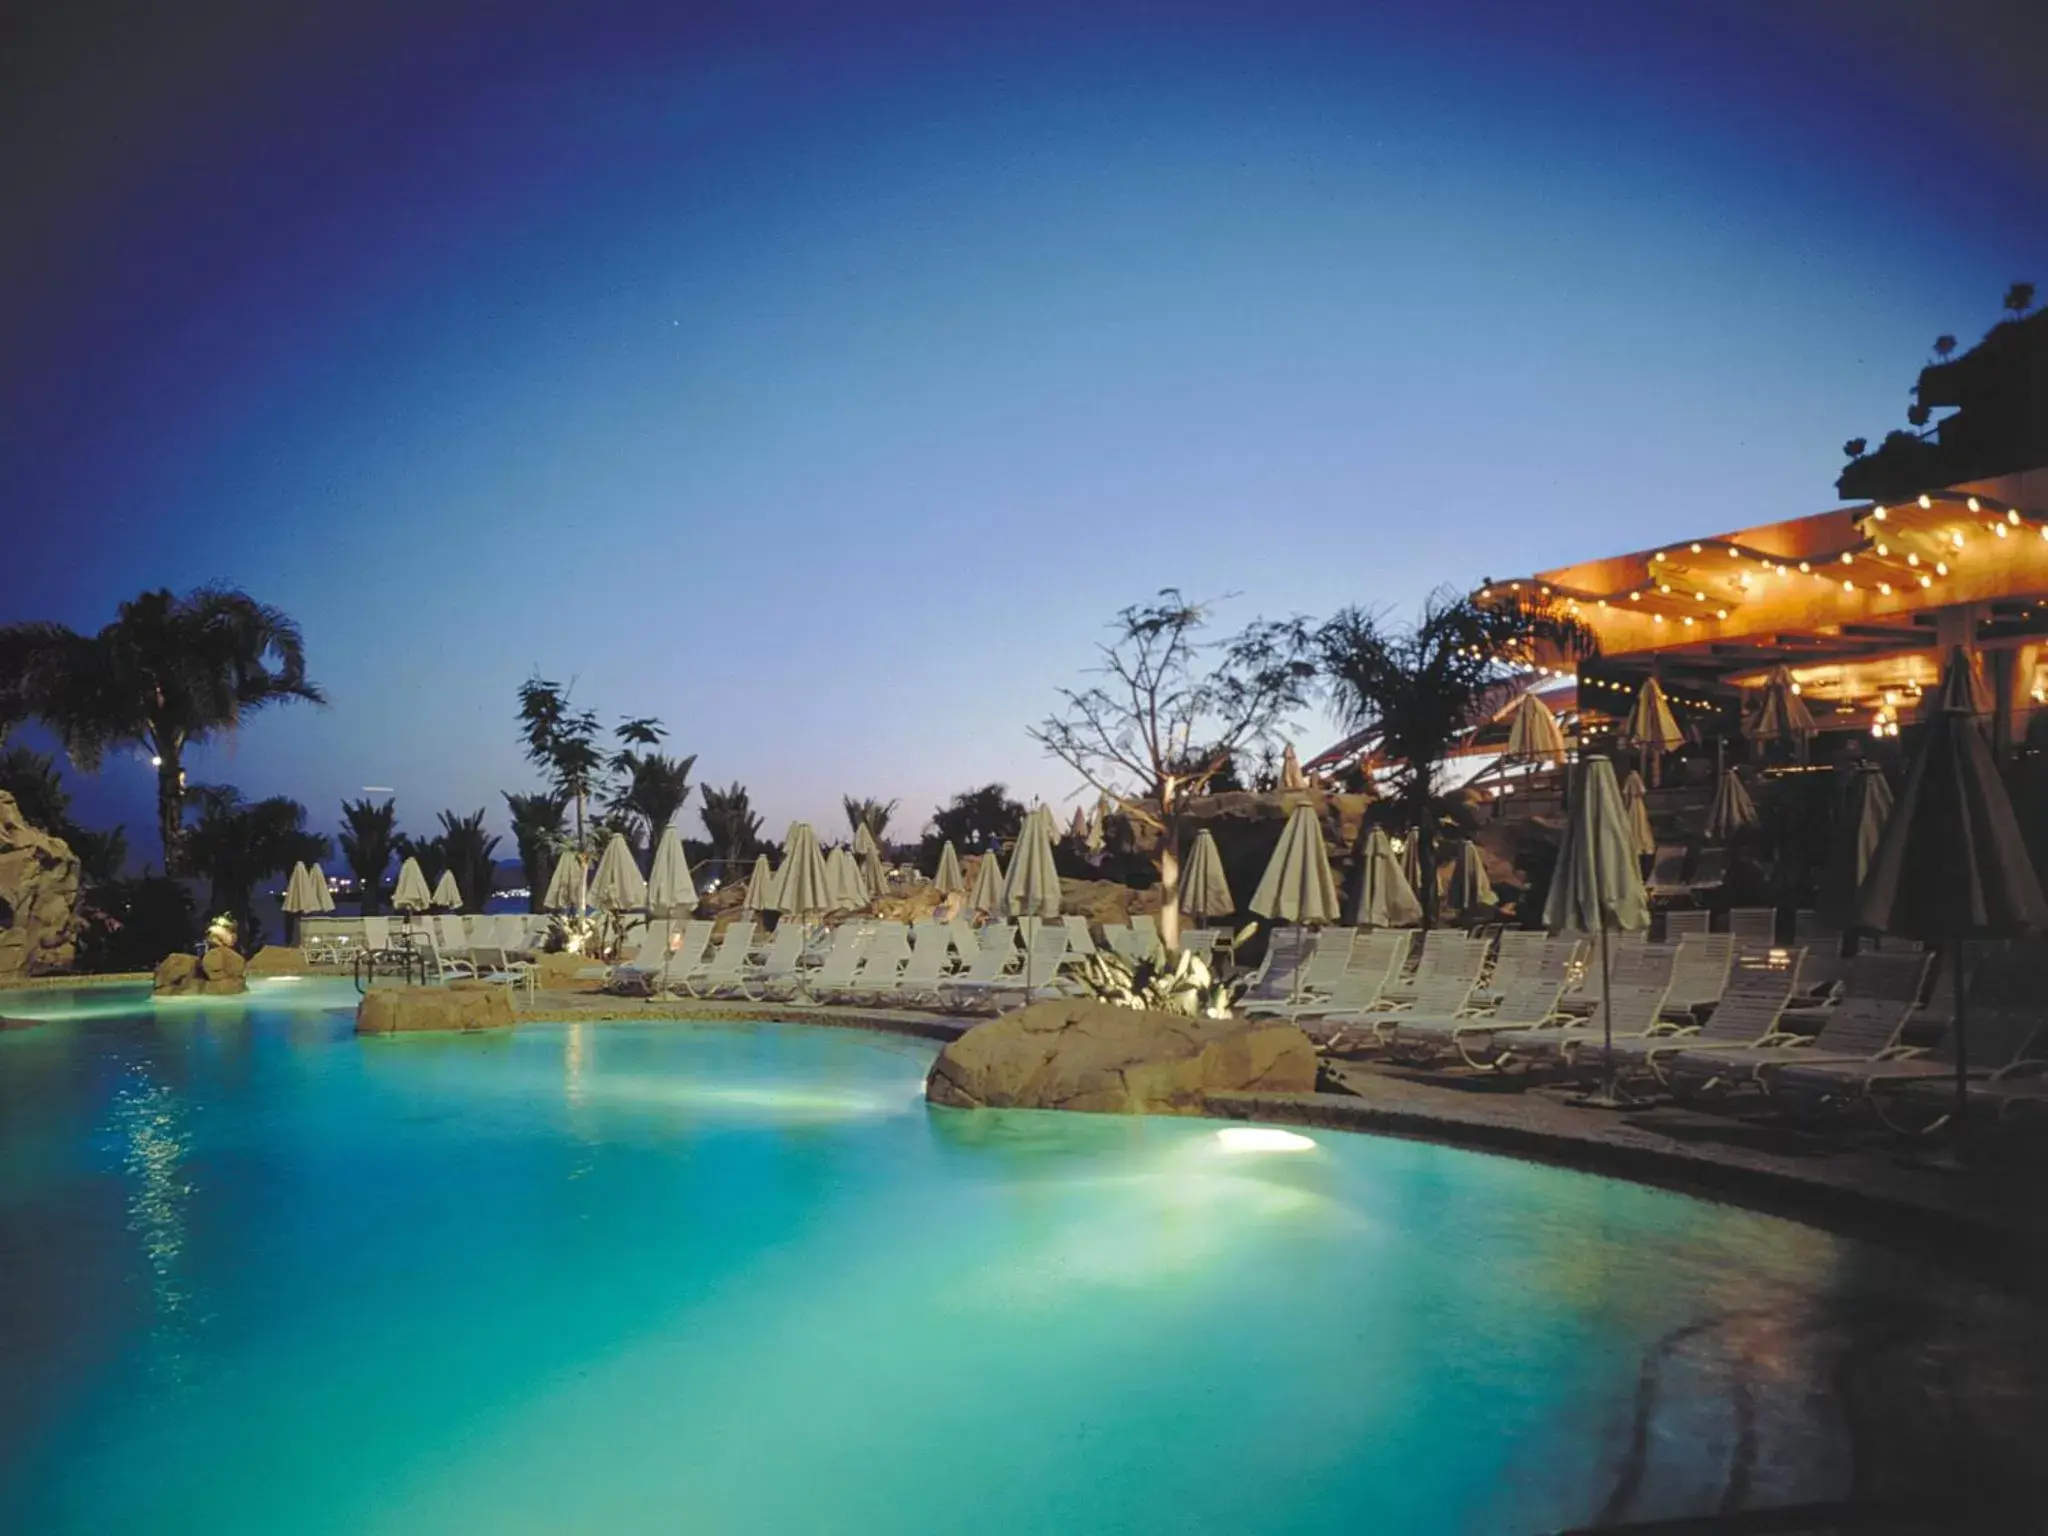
(258, 1276)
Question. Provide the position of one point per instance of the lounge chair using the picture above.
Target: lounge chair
(1633, 1000)
(493, 964)
(1445, 995)
(1273, 981)
(1529, 1003)
(829, 980)
(1376, 960)
(1864, 1025)
(725, 972)
(882, 959)
(929, 964)
(778, 972)
(1078, 940)
(1710, 873)
(1133, 944)
(1201, 941)
(992, 962)
(1681, 923)
(1530, 955)
(1446, 956)
(1753, 927)
(1145, 927)
(1314, 979)
(1699, 972)
(1748, 1014)
(1667, 871)
(1043, 958)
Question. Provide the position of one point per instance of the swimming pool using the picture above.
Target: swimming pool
(261, 1276)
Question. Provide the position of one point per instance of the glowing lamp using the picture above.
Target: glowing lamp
(1926, 503)
(1252, 1138)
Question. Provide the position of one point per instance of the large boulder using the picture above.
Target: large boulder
(277, 960)
(39, 877)
(1076, 1053)
(177, 975)
(559, 971)
(405, 1010)
(221, 971)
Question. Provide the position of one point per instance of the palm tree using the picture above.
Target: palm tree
(1419, 689)
(169, 673)
(651, 793)
(2019, 298)
(472, 853)
(731, 823)
(872, 814)
(367, 838)
(430, 853)
(538, 832)
(562, 742)
(235, 844)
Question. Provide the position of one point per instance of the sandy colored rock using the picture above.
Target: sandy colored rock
(39, 877)
(1079, 1054)
(277, 960)
(557, 973)
(407, 1010)
(220, 963)
(178, 974)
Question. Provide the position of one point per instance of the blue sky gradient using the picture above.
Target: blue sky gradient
(821, 381)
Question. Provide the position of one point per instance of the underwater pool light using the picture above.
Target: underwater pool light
(1251, 1138)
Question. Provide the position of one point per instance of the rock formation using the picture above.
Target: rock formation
(38, 898)
(462, 1006)
(278, 960)
(1085, 1055)
(217, 973)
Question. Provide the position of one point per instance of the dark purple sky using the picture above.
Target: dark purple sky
(821, 378)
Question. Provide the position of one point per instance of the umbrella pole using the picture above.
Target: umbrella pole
(1962, 1042)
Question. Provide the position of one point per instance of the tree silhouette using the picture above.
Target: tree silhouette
(1916, 413)
(1943, 346)
(1856, 447)
(537, 830)
(2019, 298)
(368, 834)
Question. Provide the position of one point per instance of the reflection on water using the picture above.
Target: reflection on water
(155, 1147)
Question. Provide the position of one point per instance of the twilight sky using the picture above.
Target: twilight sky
(821, 378)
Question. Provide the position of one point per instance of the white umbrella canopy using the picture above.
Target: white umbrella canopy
(843, 882)
(617, 885)
(447, 894)
(1297, 886)
(1386, 896)
(1094, 839)
(670, 890)
(1635, 809)
(947, 879)
(1778, 713)
(1032, 888)
(1597, 881)
(568, 889)
(987, 895)
(1533, 736)
(1732, 811)
(864, 842)
(802, 888)
(760, 895)
(323, 896)
(873, 878)
(1651, 725)
(410, 894)
(1204, 892)
(1469, 887)
(1411, 859)
(298, 892)
(1859, 829)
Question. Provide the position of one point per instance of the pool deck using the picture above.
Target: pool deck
(1989, 1220)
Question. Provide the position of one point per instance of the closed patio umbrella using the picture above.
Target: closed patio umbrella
(842, 881)
(1732, 811)
(1859, 828)
(298, 897)
(864, 842)
(1386, 896)
(410, 894)
(1297, 886)
(1651, 728)
(1951, 863)
(1469, 888)
(803, 890)
(323, 895)
(987, 895)
(874, 879)
(1635, 809)
(1411, 860)
(947, 879)
(617, 885)
(760, 895)
(1204, 892)
(1597, 884)
(1093, 840)
(447, 894)
(1032, 887)
(1533, 736)
(1777, 713)
(568, 889)
(670, 890)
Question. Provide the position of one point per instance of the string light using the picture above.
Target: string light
(1878, 513)
(1847, 558)
(1695, 549)
(1956, 538)
(1971, 503)
(1804, 568)
(1926, 504)
(1720, 613)
(1941, 567)
(1926, 581)
(1912, 559)
(1885, 587)
(1848, 586)
(2010, 516)
(1883, 550)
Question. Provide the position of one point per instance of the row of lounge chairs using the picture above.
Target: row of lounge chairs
(1701, 1019)
(928, 964)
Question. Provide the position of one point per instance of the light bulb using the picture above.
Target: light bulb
(1847, 558)
(1878, 513)
(1912, 559)
(1695, 549)
(2010, 516)
(1883, 550)
(1804, 568)
(1720, 613)
(1848, 586)
(1956, 538)
(1941, 567)
(1885, 587)
(1926, 503)
(1926, 581)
